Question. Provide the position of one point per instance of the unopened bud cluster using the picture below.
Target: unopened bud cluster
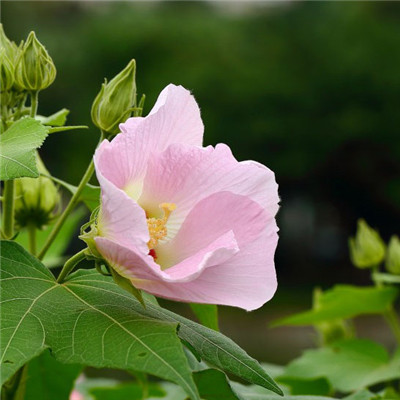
(24, 70)
(27, 67)
(368, 250)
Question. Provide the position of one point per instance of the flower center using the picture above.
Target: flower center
(157, 226)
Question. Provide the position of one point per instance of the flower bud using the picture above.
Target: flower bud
(6, 44)
(6, 72)
(36, 199)
(393, 256)
(367, 249)
(34, 68)
(113, 105)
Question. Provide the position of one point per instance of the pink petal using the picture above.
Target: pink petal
(247, 280)
(141, 268)
(184, 175)
(175, 118)
(210, 219)
(120, 218)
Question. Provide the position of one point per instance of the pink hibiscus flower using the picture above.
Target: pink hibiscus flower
(182, 221)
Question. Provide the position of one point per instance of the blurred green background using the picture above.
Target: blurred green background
(311, 89)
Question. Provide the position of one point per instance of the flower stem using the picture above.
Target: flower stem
(8, 208)
(32, 238)
(34, 103)
(70, 264)
(393, 321)
(71, 205)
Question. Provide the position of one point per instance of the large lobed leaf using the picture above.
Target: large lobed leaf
(210, 345)
(18, 149)
(90, 320)
(80, 325)
(345, 301)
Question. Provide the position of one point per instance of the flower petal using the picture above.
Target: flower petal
(210, 219)
(175, 118)
(121, 218)
(247, 280)
(184, 175)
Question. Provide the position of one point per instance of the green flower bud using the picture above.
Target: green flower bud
(6, 44)
(6, 72)
(367, 249)
(34, 68)
(36, 199)
(113, 105)
(393, 256)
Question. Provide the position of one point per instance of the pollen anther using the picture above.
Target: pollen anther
(157, 226)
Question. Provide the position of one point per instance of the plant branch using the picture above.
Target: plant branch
(34, 103)
(71, 205)
(70, 264)
(32, 238)
(8, 208)
(393, 321)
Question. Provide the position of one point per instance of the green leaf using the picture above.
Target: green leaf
(57, 119)
(81, 324)
(213, 384)
(55, 256)
(90, 194)
(299, 386)
(258, 393)
(207, 314)
(171, 392)
(212, 346)
(365, 363)
(126, 391)
(18, 149)
(344, 301)
(363, 395)
(48, 379)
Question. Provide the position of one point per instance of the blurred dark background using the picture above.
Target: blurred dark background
(310, 89)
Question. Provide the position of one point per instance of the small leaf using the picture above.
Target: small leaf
(213, 384)
(57, 119)
(48, 379)
(344, 301)
(207, 314)
(18, 149)
(365, 363)
(258, 393)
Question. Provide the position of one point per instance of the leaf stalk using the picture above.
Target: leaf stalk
(71, 205)
(70, 264)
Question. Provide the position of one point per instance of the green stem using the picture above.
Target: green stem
(389, 314)
(32, 238)
(393, 321)
(8, 209)
(34, 103)
(71, 205)
(71, 263)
